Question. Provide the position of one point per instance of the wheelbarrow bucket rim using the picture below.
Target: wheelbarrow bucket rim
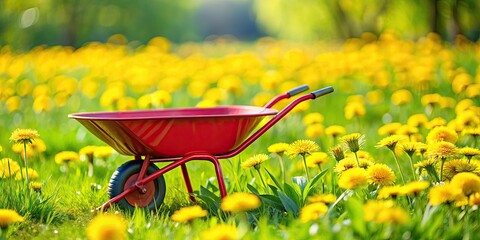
(238, 111)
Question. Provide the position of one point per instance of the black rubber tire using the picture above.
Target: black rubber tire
(125, 171)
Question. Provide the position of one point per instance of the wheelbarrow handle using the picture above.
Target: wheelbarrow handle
(321, 92)
(297, 90)
(282, 113)
(290, 93)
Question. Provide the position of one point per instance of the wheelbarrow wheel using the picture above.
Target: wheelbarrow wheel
(125, 176)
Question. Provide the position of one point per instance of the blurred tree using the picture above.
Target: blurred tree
(315, 19)
(221, 17)
(28, 23)
(453, 17)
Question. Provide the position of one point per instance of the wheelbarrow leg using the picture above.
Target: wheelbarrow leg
(218, 171)
(188, 184)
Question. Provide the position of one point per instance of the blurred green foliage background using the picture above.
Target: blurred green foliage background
(28, 23)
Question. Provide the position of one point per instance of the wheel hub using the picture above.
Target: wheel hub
(141, 198)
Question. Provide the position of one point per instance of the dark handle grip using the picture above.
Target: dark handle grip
(322, 92)
(298, 90)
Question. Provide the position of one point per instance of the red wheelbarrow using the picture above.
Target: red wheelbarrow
(178, 135)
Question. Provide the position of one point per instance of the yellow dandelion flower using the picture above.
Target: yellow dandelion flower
(220, 232)
(409, 148)
(38, 146)
(8, 167)
(323, 198)
(18, 148)
(87, 151)
(301, 107)
(345, 164)
(106, 227)
(389, 128)
(36, 186)
(42, 103)
(407, 130)
(469, 152)
(468, 182)
(463, 201)
(389, 191)
(401, 97)
(441, 150)
(354, 109)
(391, 141)
(254, 161)
(145, 101)
(372, 208)
(66, 157)
(126, 103)
(301, 147)
(335, 130)
(464, 105)
(240, 202)
(317, 158)
(312, 118)
(32, 174)
(361, 154)
(375, 97)
(206, 103)
(350, 162)
(111, 96)
(160, 98)
(414, 188)
(187, 214)
(103, 151)
(8, 216)
(353, 141)
(431, 99)
(261, 99)
(461, 81)
(447, 102)
(467, 119)
(422, 147)
(444, 194)
(13, 103)
(474, 199)
(436, 122)
(473, 91)
(426, 163)
(353, 178)
(474, 132)
(314, 130)
(417, 120)
(215, 94)
(380, 174)
(395, 215)
(24, 136)
(313, 211)
(278, 147)
(455, 166)
(442, 133)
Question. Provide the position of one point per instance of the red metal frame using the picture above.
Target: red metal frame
(214, 159)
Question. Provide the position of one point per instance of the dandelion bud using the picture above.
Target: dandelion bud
(338, 153)
(353, 141)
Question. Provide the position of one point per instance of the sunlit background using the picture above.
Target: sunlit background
(28, 23)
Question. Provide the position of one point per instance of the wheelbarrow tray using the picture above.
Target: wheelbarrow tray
(175, 132)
